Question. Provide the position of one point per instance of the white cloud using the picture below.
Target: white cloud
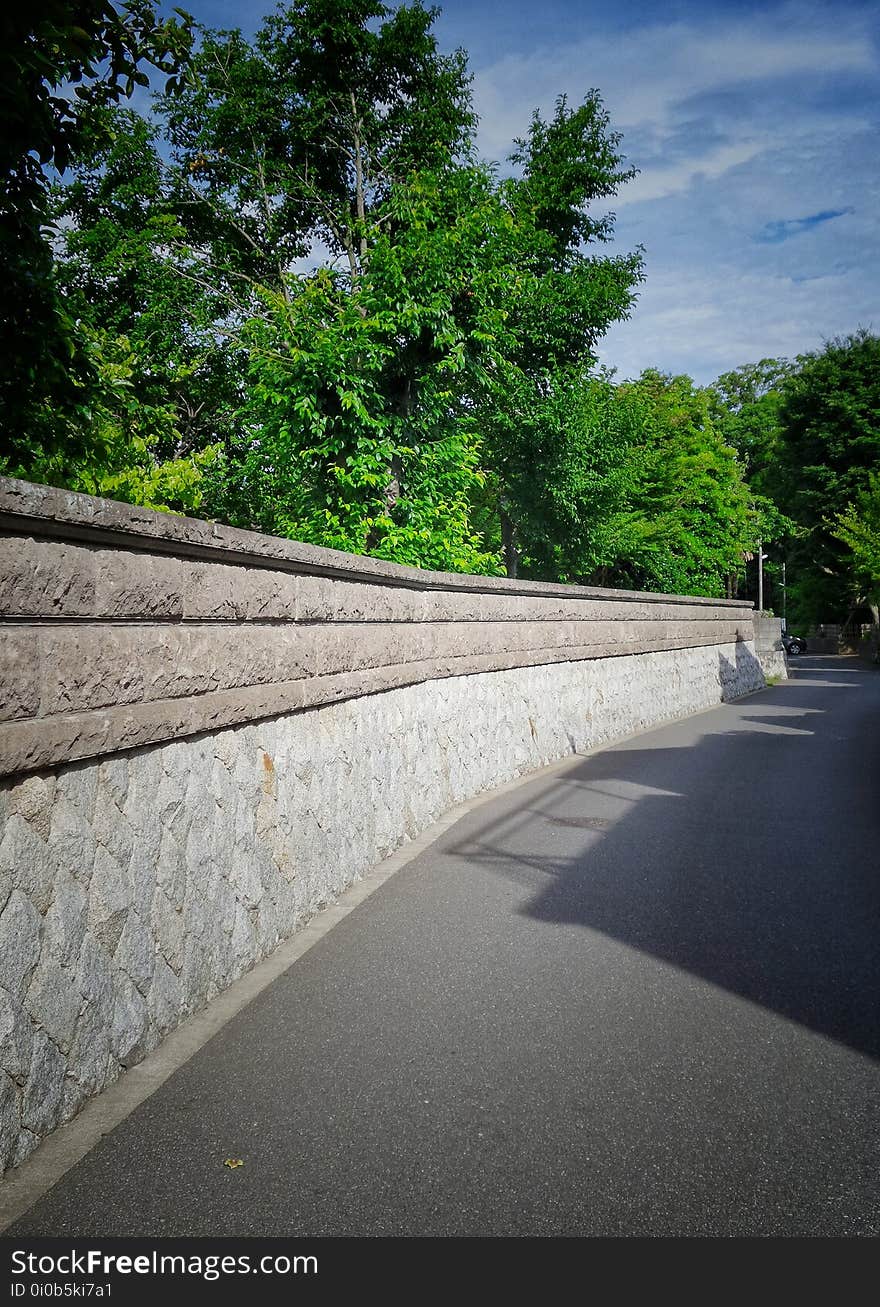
(658, 183)
(644, 74)
(703, 324)
(737, 123)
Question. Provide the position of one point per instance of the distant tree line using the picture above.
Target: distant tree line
(295, 299)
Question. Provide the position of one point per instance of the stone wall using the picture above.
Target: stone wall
(208, 734)
(768, 646)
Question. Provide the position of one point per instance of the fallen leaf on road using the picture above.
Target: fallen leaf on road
(233, 1162)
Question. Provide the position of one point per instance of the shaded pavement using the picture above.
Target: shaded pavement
(637, 997)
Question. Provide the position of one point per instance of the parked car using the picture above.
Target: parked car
(794, 644)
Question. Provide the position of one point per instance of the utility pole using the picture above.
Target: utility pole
(784, 627)
(760, 577)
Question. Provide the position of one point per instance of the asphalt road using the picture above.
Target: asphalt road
(640, 997)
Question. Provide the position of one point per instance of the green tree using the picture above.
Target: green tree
(558, 296)
(122, 266)
(47, 47)
(747, 412)
(561, 470)
(297, 140)
(355, 391)
(858, 527)
(692, 517)
(340, 134)
(829, 445)
(123, 456)
(377, 405)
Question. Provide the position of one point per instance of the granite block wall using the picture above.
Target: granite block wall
(206, 735)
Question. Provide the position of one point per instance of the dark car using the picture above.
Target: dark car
(794, 644)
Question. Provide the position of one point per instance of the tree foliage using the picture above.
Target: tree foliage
(297, 301)
(746, 405)
(122, 458)
(122, 261)
(829, 445)
(373, 419)
(858, 526)
(58, 59)
(692, 517)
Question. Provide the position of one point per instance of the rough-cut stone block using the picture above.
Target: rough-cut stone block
(138, 585)
(129, 1023)
(323, 599)
(27, 1142)
(94, 980)
(53, 1002)
(79, 785)
(171, 869)
(169, 929)
(27, 862)
(117, 665)
(113, 777)
(452, 606)
(10, 1121)
(16, 1038)
(72, 841)
(109, 901)
(215, 591)
(112, 829)
(89, 1053)
(45, 578)
(93, 667)
(163, 1000)
(19, 673)
(65, 923)
(136, 952)
(41, 1102)
(270, 596)
(31, 799)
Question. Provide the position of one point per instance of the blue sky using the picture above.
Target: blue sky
(755, 129)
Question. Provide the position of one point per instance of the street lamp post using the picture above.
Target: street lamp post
(760, 577)
(762, 557)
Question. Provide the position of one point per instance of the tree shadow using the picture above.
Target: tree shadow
(745, 856)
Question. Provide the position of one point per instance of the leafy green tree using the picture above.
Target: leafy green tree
(122, 265)
(692, 518)
(47, 46)
(830, 421)
(376, 386)
(561, 471)
(829, 446)
(355, 391)
(341, 133)
(747, 412)
(122, 459)
(558, 298)
(299, 138)
(859, 528)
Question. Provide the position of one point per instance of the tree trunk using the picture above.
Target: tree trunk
(508, 544)
(394, 484)
(392, 490)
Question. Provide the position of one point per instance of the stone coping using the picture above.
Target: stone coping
(123, 627)
(48, 511)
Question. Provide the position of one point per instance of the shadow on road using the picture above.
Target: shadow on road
(745, 855)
